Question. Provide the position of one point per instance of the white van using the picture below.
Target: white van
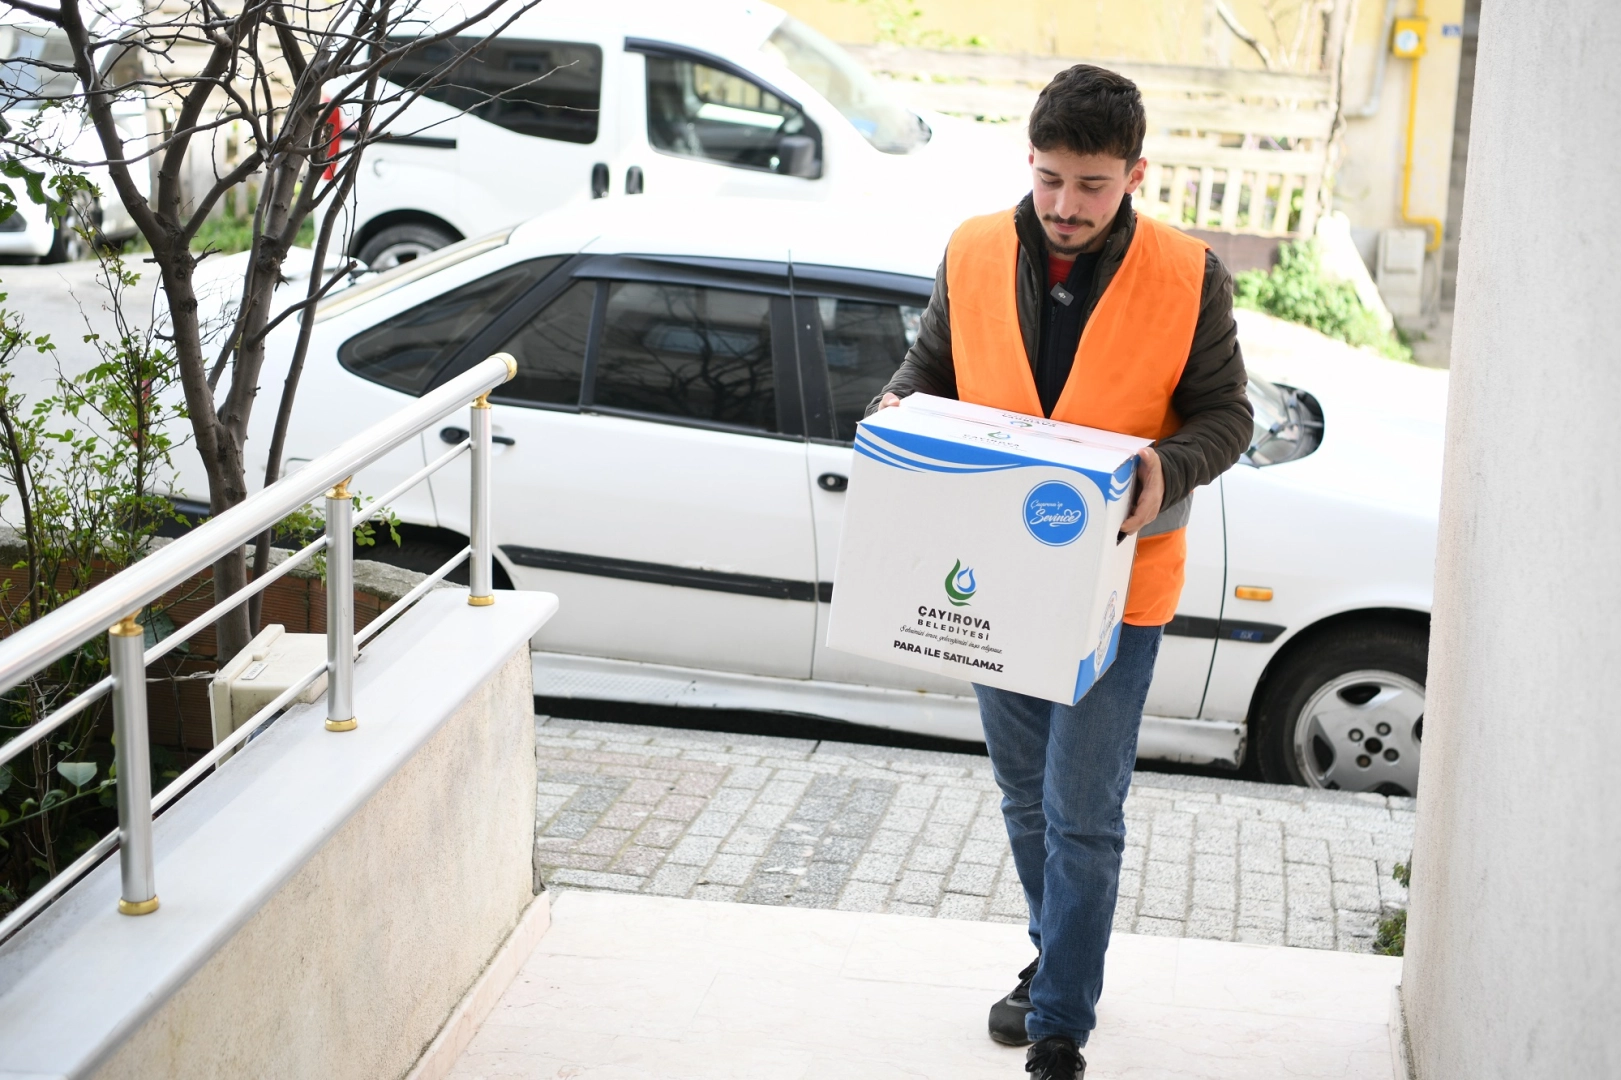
(705, 97)
(30, 53)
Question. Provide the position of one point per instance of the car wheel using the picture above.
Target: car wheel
(66, 246)
(1346, 712)
(402, 243)
(425, 554)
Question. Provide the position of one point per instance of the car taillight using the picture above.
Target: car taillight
(334, 126)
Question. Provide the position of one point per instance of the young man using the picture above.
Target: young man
(1071, 306)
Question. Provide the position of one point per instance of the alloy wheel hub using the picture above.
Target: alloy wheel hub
(1361, 732)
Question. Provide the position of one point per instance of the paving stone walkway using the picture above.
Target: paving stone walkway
(764, 820)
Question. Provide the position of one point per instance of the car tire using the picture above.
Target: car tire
(424, 554)
(66, 246)
(1346, 711)
(403, 243)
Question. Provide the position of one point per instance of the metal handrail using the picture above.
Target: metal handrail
(64, 629)
(112, 603)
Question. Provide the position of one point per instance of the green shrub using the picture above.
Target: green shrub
(1391, 939)
(1298, 290)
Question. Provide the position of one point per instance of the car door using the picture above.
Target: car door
(653, 470)
(696, 124)
(538, 125)
(853, 330)
(1189, 644)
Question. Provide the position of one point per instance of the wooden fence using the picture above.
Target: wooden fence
(1229, 149)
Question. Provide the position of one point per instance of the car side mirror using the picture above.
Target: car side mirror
(796, 155)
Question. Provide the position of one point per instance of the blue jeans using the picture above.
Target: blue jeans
(1064, 771)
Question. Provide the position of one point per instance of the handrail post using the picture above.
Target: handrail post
(479, 576)
(126, 646)
(340, 609)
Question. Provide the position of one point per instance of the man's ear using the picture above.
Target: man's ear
(1134, 175)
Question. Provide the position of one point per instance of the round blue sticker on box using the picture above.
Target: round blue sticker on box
(1055, 513)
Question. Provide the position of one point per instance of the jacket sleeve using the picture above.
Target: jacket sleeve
(1211, 397)
(928, 368)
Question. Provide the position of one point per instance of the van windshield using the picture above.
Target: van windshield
(834, 73)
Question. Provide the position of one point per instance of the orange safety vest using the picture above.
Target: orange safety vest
(1127, 365)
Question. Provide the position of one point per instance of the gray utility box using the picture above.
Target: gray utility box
(262, 672)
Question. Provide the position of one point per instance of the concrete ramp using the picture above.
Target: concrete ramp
(626, 987)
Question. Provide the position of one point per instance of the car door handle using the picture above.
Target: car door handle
(633, 180)
(454, 435)
(832, 481)
(599, 179)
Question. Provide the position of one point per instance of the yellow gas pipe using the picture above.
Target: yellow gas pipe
(1433, 225)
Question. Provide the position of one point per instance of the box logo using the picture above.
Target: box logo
(1055, 513)
(960, 584)
(1103, 635)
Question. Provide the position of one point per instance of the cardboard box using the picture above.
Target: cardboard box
(985, 545)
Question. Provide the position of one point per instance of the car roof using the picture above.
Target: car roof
(865, 236)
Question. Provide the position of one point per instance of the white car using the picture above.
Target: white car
(672, 456)
(579, 100)
(29, 52)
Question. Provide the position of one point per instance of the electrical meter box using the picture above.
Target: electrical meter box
(1409, 38)
(262, 672)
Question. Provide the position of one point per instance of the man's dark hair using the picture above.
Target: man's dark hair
(1090, 110)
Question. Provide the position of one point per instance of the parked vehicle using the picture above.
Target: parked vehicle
(26, 48)
(578, 100)
(672, 456)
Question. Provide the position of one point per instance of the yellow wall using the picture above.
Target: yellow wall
(1157, 31)
(1180, 31)
(1368, 187)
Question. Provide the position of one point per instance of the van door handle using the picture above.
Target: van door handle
(633, 180)
(599, 180)
(832, 481)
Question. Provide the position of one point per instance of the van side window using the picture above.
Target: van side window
(407, 351)
(864, 344)
(689, 352)
(696, 111)
(548, 89)
(550, 350)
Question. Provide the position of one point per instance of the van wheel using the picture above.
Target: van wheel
(66, 246)
(1347, 712)
(402, 243)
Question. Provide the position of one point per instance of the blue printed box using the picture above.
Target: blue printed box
(986, 545)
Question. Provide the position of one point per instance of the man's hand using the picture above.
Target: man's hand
(1150, 490)
(889, 401)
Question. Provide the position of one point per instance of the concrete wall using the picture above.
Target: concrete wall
(326, 898)
(349, 970)
(1514, 947)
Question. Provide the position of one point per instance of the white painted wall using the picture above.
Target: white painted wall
(1513, 962)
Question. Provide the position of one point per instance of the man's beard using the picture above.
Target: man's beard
(1075, 244)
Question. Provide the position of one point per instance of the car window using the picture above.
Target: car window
(689, 352)
(406, 351)
(864, 344)
(698, 111)
(548, 89)
(550, 350)
(33, 63)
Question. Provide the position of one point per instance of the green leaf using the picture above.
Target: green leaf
(77, 773)
(5, 778)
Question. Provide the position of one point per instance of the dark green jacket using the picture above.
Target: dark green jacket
(1210, 398)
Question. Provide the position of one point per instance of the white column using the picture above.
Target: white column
(1514, 945)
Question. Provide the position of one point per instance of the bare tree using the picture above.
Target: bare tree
(291, 74)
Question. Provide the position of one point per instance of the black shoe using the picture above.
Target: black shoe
(1007, 1015)
(1055, 1058)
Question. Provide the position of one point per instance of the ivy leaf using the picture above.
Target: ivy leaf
(77, 773)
